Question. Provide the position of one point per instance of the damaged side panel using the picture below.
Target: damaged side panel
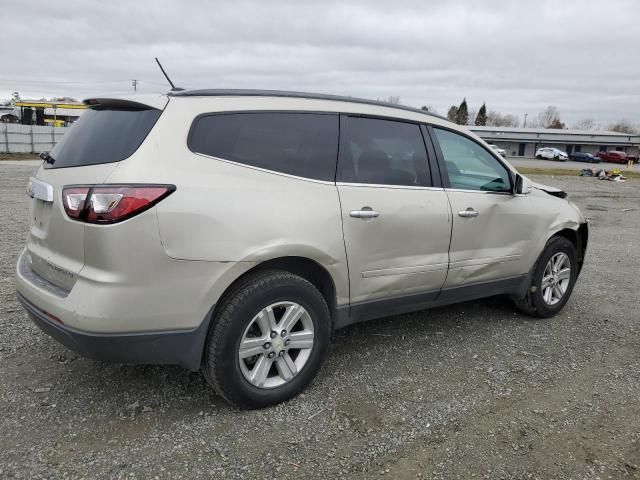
(505, 238)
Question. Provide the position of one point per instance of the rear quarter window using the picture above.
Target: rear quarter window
(103, 136)
(300, 144)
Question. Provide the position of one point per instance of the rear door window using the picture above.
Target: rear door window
(103, 136)
(300, 144)
(382, 152)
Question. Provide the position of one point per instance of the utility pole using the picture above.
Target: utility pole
(525, 120)
(134, 83)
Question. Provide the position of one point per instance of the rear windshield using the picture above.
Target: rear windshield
(103, 136)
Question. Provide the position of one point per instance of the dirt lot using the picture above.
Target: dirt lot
(470, 391)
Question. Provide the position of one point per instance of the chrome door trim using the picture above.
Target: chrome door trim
(404, 270)
(380, 185)
(463, 190)
(484, 261)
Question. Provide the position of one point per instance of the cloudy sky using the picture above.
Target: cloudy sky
(518, 56)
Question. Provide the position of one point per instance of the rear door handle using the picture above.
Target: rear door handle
(468, 213)
(366, 212)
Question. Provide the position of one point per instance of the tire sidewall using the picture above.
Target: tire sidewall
(554, 246)
(226, 344)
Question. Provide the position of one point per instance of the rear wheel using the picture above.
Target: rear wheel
(270, 337)
(539, 157)
(553, 279)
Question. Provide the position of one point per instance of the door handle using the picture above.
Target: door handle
(468, 213)
(365, 212)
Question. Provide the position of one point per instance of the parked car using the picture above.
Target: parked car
(226, 231)
(584, 157)
(552, 154)
(615, 156)
(500, 151)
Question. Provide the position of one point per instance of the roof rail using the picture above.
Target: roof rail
(231, 92)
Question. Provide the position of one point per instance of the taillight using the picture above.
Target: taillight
(74, 199)
(104, 204)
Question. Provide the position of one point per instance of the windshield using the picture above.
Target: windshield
(103, 136)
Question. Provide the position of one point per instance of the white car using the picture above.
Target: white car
(501, 151)
(551, 153)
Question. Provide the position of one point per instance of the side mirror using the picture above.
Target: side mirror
(523, 185)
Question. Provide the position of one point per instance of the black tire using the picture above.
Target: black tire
(533, 304)
(236, 310)
(539, 157)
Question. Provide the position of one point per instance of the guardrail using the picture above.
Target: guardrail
(17, 138)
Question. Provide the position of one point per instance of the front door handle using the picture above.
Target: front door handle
(468, 213)
(365, 212)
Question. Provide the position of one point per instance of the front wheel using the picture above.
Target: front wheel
(554, 276)
(269, 339)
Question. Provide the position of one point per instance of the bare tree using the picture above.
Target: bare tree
(496, 119)
(473, 113)
(549, 117)
(585, 124)
(511, 121)
(452, 113)
(392, 99)
(623, 126)
(429, 108)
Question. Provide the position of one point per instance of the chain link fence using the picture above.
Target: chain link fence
(16, 138)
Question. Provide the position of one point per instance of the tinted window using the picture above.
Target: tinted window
(382, 152)
(103, 136)
(470, 166)
(302, 144)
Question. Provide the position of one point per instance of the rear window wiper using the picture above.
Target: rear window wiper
(47, 158)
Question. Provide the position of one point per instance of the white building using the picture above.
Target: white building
(525, 141)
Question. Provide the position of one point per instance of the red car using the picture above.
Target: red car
(615, 156)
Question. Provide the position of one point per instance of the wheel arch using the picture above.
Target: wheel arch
(304, 267)
(578, 237)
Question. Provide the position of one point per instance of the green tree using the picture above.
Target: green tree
(462, 116)
(481, 118)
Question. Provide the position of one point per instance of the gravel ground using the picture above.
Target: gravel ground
(469, 391)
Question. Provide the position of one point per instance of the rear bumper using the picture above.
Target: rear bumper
(182, 348)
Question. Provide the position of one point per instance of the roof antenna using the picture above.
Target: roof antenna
(173, 87)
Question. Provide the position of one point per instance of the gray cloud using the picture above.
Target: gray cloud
(517, 56)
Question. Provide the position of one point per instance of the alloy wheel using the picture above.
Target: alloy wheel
(276, 345)
(556, 278)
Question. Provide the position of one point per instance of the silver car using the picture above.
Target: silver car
(233, 231)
